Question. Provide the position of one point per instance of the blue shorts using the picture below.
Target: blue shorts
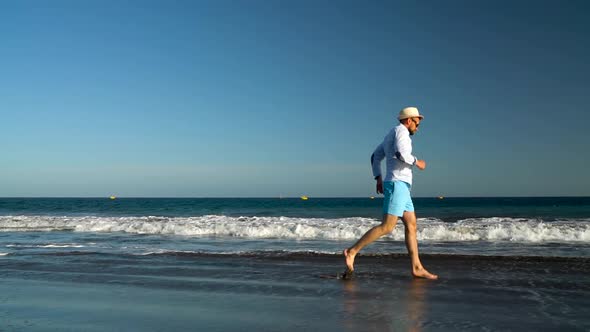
(397, 198)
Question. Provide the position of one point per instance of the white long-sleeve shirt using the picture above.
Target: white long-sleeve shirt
(396, 149)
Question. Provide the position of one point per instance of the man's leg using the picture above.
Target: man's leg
(373, 234)
(418, 270)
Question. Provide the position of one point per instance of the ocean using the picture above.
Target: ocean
(161, 264)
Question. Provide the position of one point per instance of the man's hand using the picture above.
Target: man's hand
(421, 164)
(379, 185)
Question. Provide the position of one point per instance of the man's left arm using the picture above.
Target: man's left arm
(376, 158)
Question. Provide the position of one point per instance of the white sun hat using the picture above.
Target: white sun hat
(409, 112)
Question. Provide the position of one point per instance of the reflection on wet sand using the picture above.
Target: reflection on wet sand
(398, 307)
(350, 297)
(416, 302)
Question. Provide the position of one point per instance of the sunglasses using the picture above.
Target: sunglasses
(416, 123)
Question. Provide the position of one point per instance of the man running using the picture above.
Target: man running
(396, 149)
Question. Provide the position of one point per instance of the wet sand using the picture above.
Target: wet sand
(290, 293)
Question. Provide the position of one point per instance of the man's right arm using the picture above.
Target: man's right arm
(403, 148)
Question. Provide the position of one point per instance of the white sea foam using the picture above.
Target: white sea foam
(429, 229)
(50, 245)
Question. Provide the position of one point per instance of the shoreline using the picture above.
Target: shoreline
(179, 292)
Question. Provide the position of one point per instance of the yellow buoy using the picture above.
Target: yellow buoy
(113, 197)
(305, 198)
(372, 197)
(441, 197)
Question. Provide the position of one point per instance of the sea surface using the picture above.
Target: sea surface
(140, 226)
(160, 264)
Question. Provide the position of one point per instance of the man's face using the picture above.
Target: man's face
(414, 124)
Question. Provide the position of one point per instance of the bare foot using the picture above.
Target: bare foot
(349, 259)
(422, 273)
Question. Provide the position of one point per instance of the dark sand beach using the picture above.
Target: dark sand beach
(289, 292)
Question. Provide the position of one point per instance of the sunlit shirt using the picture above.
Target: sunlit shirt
(396, 149)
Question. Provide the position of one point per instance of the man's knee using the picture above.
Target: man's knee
(388, 224)
(410, 225)
(387, 228)
(409, 220)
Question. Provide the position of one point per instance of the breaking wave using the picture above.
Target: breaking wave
(429, 229)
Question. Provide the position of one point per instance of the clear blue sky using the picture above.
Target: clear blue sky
(268, 98)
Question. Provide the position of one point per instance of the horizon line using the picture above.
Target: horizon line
(282, 197)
